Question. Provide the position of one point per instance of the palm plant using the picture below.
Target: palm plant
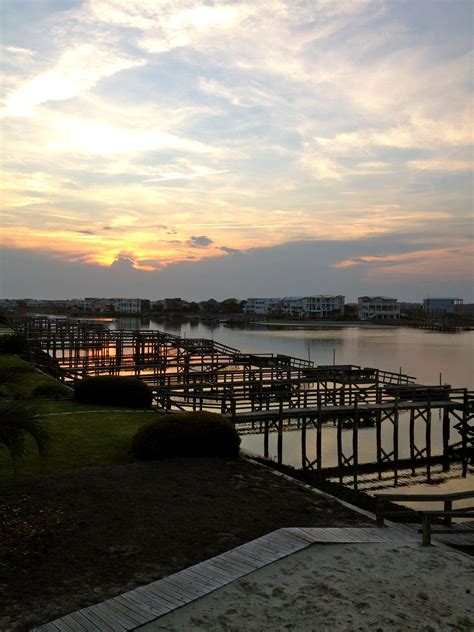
(18, 421)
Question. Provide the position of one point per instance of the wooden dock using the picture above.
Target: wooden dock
(265, 393)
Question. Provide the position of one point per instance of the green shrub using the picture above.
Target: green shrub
(187, 434)
(51, 390)
(12, 369)
(114, 391)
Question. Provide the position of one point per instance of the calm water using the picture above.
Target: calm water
(428, 356)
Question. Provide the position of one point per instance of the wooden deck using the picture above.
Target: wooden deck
(147, 603)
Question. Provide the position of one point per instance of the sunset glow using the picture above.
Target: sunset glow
(154, 134)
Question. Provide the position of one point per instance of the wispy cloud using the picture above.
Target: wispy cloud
(76, 71)
(186, 176)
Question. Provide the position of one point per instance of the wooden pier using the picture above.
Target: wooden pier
(266, 393)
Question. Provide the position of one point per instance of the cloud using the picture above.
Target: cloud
(335, 121)
(322, 167)
(123, 260)
(200, 241)
(441, 165)
(188, 176)
(289, 269)
(230, 251)
(76, 71)
(149, 265)
(418, 263)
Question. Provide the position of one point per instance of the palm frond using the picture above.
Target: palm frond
(18, 420)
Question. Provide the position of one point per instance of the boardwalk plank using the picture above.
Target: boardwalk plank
(96, 619)
(228, 563)
(284, 540)
(54, 626)
(68, 624)
(227, 570)
(140, 612)
(79, 617)
(186, 585)
(72, 624)
(235, 556)
(114, 616)
(201, 578)
(145, 602)
(216, 573)
(169, 592)
(148, 595)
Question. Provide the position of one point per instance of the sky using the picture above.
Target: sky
(163, 148)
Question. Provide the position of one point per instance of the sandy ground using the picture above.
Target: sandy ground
(341, 587)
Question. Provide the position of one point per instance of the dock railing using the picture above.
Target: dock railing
(447, 513)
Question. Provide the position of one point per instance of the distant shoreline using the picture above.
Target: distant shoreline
(319, 324)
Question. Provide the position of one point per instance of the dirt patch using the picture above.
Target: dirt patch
(75, 539)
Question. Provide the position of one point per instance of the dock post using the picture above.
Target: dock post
(303, 443)
(280, 434)
(395, 442)
(448, 507)
(464, 429)
(319, 452)
(378, 434)
(426, 529)
(339, 448)
(265, 439)
(446, 433)
(412, 442)
(428, 440)
(355, 443)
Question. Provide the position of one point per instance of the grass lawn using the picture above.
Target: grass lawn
(82, 435)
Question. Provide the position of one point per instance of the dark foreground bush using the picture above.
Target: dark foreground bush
(187, 434)
(14, 344)
(114, 391)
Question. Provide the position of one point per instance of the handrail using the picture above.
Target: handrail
(427, 497)
(447, 512)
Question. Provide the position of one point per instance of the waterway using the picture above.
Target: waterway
(430, 357)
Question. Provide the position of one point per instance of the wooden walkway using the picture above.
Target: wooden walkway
(147, 603)
(457, 537)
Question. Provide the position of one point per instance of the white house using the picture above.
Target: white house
(320, 306)
(442, 305)
(130, 305)
(379, 307)
(323, 305)
(260, 306)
